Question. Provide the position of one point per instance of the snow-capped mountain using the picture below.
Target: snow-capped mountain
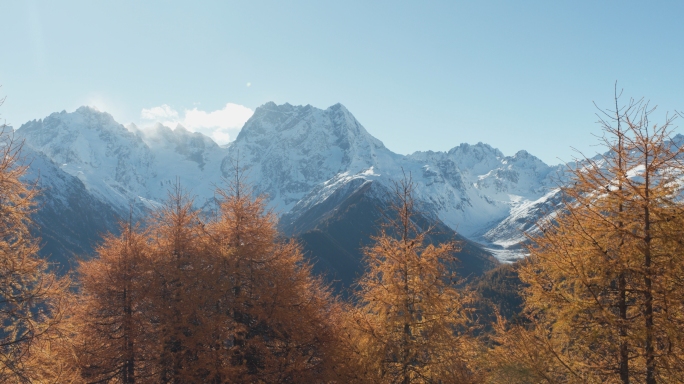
(69, 220)
(301, 157)
(111, 161)
(290, 150)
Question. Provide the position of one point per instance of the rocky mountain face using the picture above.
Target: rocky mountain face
(335, 232)
(326, 154)
(69, 219)
(317, 167)
(112, 162)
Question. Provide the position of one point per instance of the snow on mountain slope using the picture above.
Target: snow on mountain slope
(114, 164)
(70, 221)
(505, 239)
(192, 158)
(301, 156)
(298, 156)
(288, 150)
(127, 167)
(487, 183)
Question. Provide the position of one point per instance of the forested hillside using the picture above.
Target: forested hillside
(184, 296)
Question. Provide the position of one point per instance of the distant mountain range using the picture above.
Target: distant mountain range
(322, 172)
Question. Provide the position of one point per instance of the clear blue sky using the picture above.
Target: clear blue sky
(418, 75)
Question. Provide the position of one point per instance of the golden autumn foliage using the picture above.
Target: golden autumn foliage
(605, 297)
(283, 328)
(411, 323)
(182, 289)
(112, 308)
(31, 298)
(183, 298)
(228, 300)
(191, 302)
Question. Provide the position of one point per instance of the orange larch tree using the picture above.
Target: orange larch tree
(412, 321)
(604, 277)
(31, 297)
(112, 311)
(282, 328)
(183, 287)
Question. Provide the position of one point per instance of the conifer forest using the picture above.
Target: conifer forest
(183, 297)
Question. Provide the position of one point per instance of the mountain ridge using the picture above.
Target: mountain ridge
(298, 156)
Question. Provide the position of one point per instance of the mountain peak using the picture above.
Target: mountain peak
(87, 108)
(300, 146)
(477, 153)
(75, 124)
(289, 108)
(338, 107)
(527, 159)
(159, 126)
(271, 120)
(273, 107)
(179, 137)
(522, 154)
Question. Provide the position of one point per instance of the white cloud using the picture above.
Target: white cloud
(220, 124)
(231, 116)
(162, 112)
(221, 136)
